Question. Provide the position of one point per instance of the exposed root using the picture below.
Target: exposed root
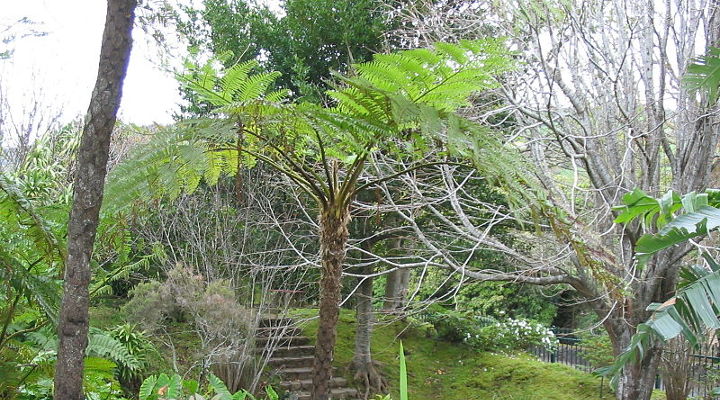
(367, 375)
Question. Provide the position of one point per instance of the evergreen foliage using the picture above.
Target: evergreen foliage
(408, 109)
(305, 42)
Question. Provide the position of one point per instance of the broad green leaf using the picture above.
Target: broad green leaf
(174, 389)
(147, 389)
(219, 387)
(191, 386)
(704, 74)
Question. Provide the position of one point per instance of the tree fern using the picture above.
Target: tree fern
(410, 94)
(37, 289)
(19, 215)
(443, 77)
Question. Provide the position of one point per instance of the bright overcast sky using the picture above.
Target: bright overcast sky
(62, 66)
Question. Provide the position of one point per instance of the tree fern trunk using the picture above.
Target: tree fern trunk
(333, 238)
(87, 197)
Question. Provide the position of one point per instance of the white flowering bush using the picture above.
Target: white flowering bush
(511, 334)
(488, 334)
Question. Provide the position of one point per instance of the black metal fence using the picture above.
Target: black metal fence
(569, 351)
(699, 369)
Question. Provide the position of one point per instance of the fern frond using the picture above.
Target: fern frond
(42, 290)
(19, 214)
(255, 86)
(101, 344)
(234, 76)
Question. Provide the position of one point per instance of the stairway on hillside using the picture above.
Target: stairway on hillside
(292, 360)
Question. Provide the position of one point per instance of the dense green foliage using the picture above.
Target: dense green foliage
(306, 93)
(174, 387)
(34, 206)
(305, 42)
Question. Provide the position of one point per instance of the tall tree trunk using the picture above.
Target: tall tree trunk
(362, 362)
(333, 238)
(397, 283)
(637, 380)
(396, 289)
(88, 194)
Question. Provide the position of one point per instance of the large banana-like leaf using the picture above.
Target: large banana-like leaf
(695, 308)
(698, 216)
(690, 313)
(704, 74)
(678, 230)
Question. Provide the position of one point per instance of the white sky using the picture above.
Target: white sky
(61, 67)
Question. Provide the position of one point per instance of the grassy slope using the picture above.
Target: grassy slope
(441, 370)
(436, 369)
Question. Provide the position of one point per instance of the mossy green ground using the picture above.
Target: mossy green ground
(436, 369)
(447, 371)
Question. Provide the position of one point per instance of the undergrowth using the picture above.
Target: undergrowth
(438, 369)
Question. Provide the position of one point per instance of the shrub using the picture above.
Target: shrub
(224, 328)
(149, 306)
(139, 346)
(597, 349)
(506, 299)
(512, 334)
(487, 334)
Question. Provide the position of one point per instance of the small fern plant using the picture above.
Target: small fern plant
(173, 387)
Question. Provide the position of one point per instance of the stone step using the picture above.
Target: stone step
(294, 351)
(335, 394)
(291, 361)
(295, 373)
(284, 330)
(306, 384)
(283, 341)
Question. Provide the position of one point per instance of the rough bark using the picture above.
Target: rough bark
(87, 197)
(333, 238)
(637, 380)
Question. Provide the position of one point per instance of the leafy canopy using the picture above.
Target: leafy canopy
(404, 103)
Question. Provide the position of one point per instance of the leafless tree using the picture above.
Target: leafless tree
(260, 245)
(600, 108)
(22, 121)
